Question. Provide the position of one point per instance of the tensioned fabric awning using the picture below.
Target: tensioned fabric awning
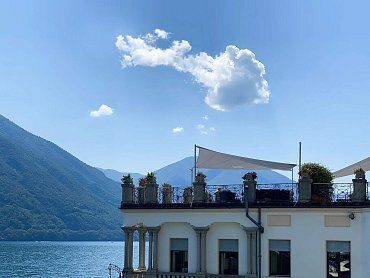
(364, 164)
(209, 159)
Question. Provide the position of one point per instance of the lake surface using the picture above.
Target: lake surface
(61, 259)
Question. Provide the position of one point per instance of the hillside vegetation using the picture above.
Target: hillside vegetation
(48, 194)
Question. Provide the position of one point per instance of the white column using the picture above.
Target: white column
(153, 247)
(150, 263)
(142, 233)
(252, 251)
(201, 248)
(129, 235)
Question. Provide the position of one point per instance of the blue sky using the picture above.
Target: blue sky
(59, 62)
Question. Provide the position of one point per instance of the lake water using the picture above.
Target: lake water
(61, 259)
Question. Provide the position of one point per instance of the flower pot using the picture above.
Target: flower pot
(360, 175)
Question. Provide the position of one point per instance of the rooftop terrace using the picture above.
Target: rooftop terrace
(201, 195)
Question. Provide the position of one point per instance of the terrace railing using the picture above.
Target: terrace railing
(265, 193)
(277, 192)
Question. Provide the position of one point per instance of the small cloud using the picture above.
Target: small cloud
(204, 132)
(177, 129)
(205, 117)
(104, 110)
(212, 129)
(162, 34)
(200, 126)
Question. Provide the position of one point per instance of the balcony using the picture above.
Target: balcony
(202, 195)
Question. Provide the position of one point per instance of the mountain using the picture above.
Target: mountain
(117, 176)
(48, 194)
(179, 174)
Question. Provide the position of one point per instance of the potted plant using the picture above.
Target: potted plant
(150, 178)
(127, 179)
(305, 173)
(166, 193)
(200, 177)
(322, 187)
(188, 194)
(250, 176)
(359, 173)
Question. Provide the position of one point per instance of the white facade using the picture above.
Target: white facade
(308, 229)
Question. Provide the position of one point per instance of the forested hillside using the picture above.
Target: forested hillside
(48, 194)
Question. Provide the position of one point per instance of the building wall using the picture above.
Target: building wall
(225, 231)
(176, 230)
(308, 236)
(308, 232)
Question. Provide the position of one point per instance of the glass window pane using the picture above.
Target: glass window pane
(228, 245)
(338, 246)
(279, 257)
(279, 245)
(179, 244)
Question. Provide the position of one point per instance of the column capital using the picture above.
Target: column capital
(141, 229)
(128, 228)
(250, 229)
(201, 229)
(153, 229)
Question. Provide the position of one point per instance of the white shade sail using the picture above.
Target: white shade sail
(364, 164)
(209, 159)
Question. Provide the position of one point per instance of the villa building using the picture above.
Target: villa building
(247, 230)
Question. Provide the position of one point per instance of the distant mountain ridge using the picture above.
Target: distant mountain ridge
(48, 194)
(179, 174)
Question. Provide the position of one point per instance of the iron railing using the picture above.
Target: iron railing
(277, 192)
(265, 193)
(331, 192)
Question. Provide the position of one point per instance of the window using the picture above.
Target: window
(179, 254)
(338, 259)
(279, 257)
(228, 256)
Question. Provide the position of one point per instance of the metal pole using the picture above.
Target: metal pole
(195, 160)
(300, 156)
(191, 175)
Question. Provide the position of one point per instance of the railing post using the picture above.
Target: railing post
(151, 192)
(250, 188)
(127, 190)
(199, 191)
(359, 190)
(304, 189)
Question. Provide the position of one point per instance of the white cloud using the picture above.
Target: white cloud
(205, 130)
(104, 110)
(205, 117)
(232, 78)
(177, 129)
(162, 34)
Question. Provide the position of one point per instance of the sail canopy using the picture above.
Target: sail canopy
(364, 164)
(209, 159)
